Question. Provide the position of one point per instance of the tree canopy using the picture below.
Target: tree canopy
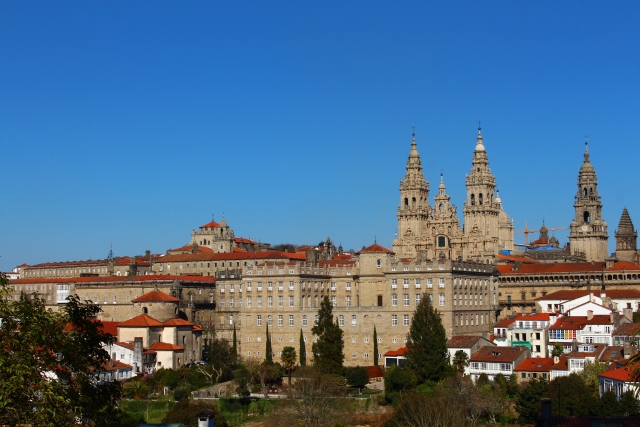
(328, 351)
(51, 362)
(427, 344)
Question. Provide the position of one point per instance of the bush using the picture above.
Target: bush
(180, 393)
(357, 377)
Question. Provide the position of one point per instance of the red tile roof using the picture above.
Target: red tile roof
(548, 268)
(128, 345)
(620, 374)
(110, 328)
(301, 256)
(505, 322)
(624, 265)
(243, 240)
(117, 279)
(177, 322)
(513, 258)
(627, 329)
(498, 354)
(156, 296)
(535, 364)
(398, 352)
(579, 322)
(117, 365)
(238, 250)
(211, 224)
(374, 371)
(141, 321)
(463, 341)
(570, 294)
(376, 248)
(164, 346)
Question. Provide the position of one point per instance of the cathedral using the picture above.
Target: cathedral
(427, 232)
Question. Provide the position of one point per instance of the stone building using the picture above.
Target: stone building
(221, 238)
(426, 232)
(375, 288)
(626, 239)
(588, 229)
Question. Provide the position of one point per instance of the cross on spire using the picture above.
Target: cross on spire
(413, 128)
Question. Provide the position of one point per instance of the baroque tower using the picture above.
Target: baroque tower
(626, 239)
(414, 208)
(588, 230)
(482, 211)
(446, 233)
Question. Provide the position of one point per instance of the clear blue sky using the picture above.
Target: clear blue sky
(130, 123)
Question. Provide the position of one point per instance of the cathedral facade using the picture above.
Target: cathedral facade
(427, 232)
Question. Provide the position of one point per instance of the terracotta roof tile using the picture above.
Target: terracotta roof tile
(164, 346)
(110, 328)
(620, 374)
(376, 248)
(398, 352)
(549, 268)
(570, 294)
(211, 224)
(463, 341)
(498, 354)
(156, 296)
(117, 279)
(579, 322)
(141, 321)
(627, 329)
(374, 371)
(177, 322)
(536, 364)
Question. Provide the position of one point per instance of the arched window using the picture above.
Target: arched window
(590, 191)
(442, 241)
(473, 199)
(584, 191)
(406, 202)
(413, 202)
(145, 310)
(480, 198)
(379, 263)
(587, 217)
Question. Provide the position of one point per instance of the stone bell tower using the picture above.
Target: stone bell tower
(588, 234)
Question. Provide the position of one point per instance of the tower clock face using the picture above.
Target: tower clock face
(584, 228)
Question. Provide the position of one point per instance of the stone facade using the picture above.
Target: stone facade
(426, 232)
(588, 229)
(626, 239)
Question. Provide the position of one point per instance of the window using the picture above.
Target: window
(269, 321)
(379, 263)
(394, 320)
(348, 300)
(259, 319)
(291, 303)
(249, 301)
(418, 297)
(280, 286)
(441, 299)
(418, 283)
(405, 320)
(259, 301)
(441, 284)
(269, 301)
(441, 241)
(353, 320)
(394, 299)
(290, 286)
(341, 320)
(429, 283)
(394, 283)
(333, 286)
(348, 286)
(222, 302)
(269, 286)
(279, 319)
(316, 319)
(259, 286)
(406, 300)
(405, 283)
(304, 320)
(232, 302)
(291, 320)
(280, 301)
(249, 286)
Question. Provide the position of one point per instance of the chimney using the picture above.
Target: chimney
(589, 314)
(626, 350)
(137, 354)
(590, 296)
(574, 345)
(556, 360)
(546, 410)
(628, 313)
(603, 294)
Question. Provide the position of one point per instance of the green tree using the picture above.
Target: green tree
(289, 358)
(427, 352)
(558, 350)
(328, 351)
(590, 376)
(528, 401)
(570, 396)
(221, 361)
(186, 412)
(397, 381)
(422, 411)
(460, 361)
(375, 346)
(268, 351)
(235, 343)
(629, 404)
(303, 350)
(357, 377)
(41, 352)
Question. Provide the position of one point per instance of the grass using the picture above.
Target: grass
(153, 411)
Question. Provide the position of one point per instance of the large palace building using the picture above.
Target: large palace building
(469, 271)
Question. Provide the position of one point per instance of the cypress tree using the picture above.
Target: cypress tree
(426, 352)
(235, 344)
(269, 355)
(375, 346)
(328, 351)
(303, 351)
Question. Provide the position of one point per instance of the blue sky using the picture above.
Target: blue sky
(131, 123)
